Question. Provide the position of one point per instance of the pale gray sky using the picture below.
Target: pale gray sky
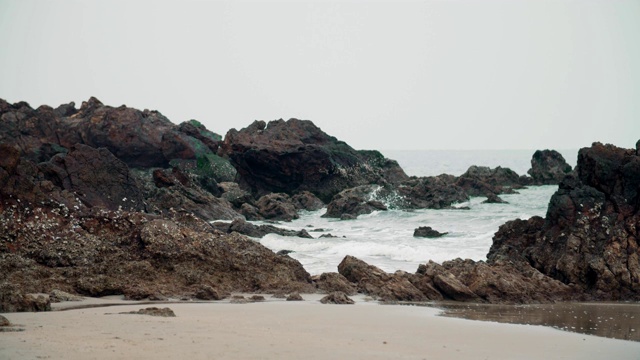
(513, 74)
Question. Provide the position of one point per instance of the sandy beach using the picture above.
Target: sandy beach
(277, 329)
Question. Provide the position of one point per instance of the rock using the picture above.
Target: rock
(428, 232)
(295, 155)
(4, 321)
(588, 239)
(483, 180)
(355, 201)
(433, 192)
(206, 292)
(257, 298)
(13, 299)
(328, 235)
(337, 297)
(96, 176)
(153, 311)
(98, 252)
(375, 282)
(57, 296)
(85, 153)
(307, 201)
(452, 288)
(294, 297)
(334, 282)
(173, 190)
(494, 199)
(236, 196)
(277, 206)
(284, 252)
(548, 167)
(243, 227)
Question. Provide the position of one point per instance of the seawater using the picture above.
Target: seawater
(385, 238)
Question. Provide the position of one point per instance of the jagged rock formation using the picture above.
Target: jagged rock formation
(102, 155)
(295, 155)
(589, 238)
(548, 167)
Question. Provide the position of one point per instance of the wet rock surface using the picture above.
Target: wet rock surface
(428, 232)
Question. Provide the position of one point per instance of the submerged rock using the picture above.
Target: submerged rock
(494, 199)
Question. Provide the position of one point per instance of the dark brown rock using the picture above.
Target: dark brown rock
(277, 206)
(294, 297)
(96, 176)
(434, 192)
(334, 282)
(375, 282)
(494, 199)
(428, 232)
(14, 299)
(153, 311)
(243, 227)
(307, 201)
(588, 239)
(4, 321)
(483, 180)
(206, 292)
(295, 155)
(337, 297)
(355, 201)
(548, 167)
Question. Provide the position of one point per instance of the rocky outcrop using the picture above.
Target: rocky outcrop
(96, 176)
(372, 281)
(428, 232)
(355, 201)
(276, 206)
(97, 252)
(548, 167)
(246, 228)
(589, 238)
(295, 155)
(434, 192)
(139, 138)
(483, 181)
(334, 282)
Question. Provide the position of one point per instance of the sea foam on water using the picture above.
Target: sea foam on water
(385, 238)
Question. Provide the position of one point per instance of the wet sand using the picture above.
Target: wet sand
(277, 329)
(611, 320)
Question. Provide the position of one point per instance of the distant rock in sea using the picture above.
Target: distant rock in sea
(548, 167)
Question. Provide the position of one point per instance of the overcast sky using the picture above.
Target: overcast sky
(511, 74)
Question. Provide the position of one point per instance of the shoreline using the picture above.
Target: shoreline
(286, 330)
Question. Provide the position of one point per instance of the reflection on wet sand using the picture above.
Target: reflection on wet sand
(611, 320)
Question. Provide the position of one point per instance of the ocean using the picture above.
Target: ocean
(385, 238)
